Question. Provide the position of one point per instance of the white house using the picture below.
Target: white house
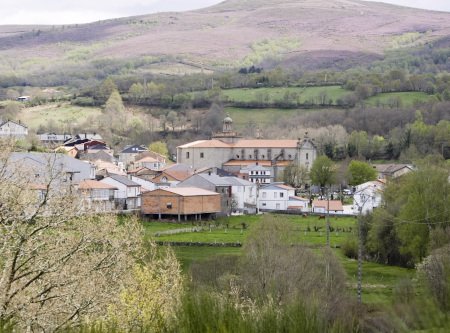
(127, 197)
(145, 184)
(256, 173)
(244, 194)
(298, 203)
(11, 129)
(275, 196)
(149, 163)
(368, 196)
(96, 197)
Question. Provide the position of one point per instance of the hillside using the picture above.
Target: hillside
(232, 33)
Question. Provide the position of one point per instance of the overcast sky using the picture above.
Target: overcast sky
(82, 11)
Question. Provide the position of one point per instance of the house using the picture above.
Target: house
(275, 196)
(70, 151)
(186, 202)
(172, 175)
(143, 173)
(321, 207)
(146, 185)
(12, 129)
(391, 171)
(127, 197)
(244, 195)
(78, 139)
(368, 196)
(129, 153)
(227, 146)
(256, 173)
(96, 197)
(43, 167)
(298, 203)
(105, 169)
(53, 139)
(149, 163)
(213, 183)
(100, 155)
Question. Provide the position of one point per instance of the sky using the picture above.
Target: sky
(82, 11)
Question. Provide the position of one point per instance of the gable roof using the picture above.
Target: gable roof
(94, 184)
(206, 144)
(124, 180)
(266, 144)
(390, 168)
(335, 205)
(188, 191)
(133, 149)
(275, 186)
(11, 121)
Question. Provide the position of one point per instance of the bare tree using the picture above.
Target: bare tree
(57, 267)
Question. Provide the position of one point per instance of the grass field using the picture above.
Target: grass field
(301, 94)
(62, 114)
(378, 280)
(399, 99)
(263, 117)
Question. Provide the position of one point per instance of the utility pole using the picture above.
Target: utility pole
(328, 216)
(360, 203)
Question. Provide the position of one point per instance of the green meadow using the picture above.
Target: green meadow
(399, 99)
(379, 281)
(300, 94)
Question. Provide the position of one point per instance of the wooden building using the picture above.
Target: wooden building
(186, 202)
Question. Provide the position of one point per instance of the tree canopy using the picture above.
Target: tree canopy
(360, 172)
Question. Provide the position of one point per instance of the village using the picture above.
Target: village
(226, 175)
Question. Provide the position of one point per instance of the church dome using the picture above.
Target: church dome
(228, 120)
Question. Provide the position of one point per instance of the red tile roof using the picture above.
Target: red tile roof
(335, 205)
(93, 184)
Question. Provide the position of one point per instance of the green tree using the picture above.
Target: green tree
(105, 89)
(360, 172)
(114, 104)
(322, 172)
(159, 147)
(415, 207)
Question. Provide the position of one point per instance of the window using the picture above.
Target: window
(264, 204)
(164, 179)
(281, 195)
(275, 195)
(278, 206)
(307, 156)
(169, 205)
(237, 156)
(263, 157)
(187, 155)
(250, 157)
(202, 155)
(264, 194)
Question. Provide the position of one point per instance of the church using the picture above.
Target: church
(228, 150)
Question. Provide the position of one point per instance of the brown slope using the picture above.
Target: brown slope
(225, 33)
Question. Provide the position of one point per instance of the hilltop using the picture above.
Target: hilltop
(232, 33)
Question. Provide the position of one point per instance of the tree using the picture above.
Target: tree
(416, 205)
(58, 266)
(172, 118)
(114, 104)
(160, 148)
(322, 171)
(150, 301)
(105, 89)
(360, 172)
(295, 175)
